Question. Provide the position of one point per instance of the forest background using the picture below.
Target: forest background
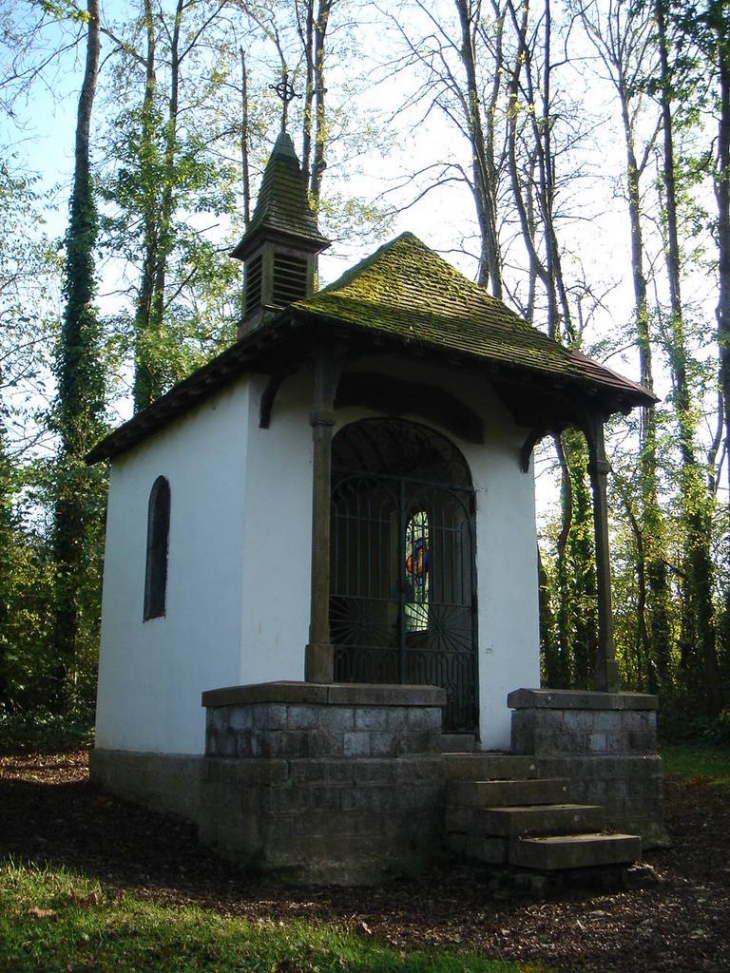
(571, 155)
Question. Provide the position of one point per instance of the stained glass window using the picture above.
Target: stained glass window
(418, 566)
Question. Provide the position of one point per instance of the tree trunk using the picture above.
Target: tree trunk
(653, 595)
(698, 649)
(80, 396)
(483, 170)
(245, 169)
(143, 371)
(722, 194)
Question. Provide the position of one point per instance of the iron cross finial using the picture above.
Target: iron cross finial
(286, 92)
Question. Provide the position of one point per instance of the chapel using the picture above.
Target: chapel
(320, 602)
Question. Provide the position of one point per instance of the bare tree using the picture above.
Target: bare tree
(622, 35)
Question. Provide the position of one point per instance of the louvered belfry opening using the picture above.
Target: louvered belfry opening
(254, 281)
(280, 247)
(290, 279)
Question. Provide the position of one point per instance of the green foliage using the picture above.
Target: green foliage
(570, 576)
(691, 728)
(28, 264)
(54, 919)
(40, 729)
(166, 177)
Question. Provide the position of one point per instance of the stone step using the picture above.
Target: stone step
(556, 853)
(503, 793)
(545, 819)
(457, 742)
(484, 848)
(488, 766)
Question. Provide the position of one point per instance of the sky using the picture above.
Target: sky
(597, 233)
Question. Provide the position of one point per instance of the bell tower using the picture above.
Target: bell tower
(280, 246)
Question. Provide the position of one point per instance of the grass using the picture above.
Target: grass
(55, 922)
(694, 760)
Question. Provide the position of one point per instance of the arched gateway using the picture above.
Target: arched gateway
(403, 577)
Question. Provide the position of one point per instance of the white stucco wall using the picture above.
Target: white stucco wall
(239, 533)
(240, 560)
(277, 537)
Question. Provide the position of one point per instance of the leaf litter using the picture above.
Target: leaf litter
(672, 918)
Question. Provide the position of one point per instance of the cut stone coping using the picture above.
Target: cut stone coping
(343, 694)
(579, 699)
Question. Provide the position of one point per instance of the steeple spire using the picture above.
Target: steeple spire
(279, 249)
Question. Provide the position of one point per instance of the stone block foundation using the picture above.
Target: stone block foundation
(604, 744)
(168, 783)
(346, 783)
(323, 783)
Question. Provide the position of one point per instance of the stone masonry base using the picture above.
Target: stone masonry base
(345, 783)
(605, 744)
(324, 783)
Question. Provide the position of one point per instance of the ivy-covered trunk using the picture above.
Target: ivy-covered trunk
(80, 395)
(698, 650)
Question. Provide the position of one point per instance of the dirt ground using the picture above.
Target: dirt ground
(675, 915)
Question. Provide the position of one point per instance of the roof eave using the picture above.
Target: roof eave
(623, 396)
(250, 353)
(263, 233)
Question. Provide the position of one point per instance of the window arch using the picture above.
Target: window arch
(158, 532)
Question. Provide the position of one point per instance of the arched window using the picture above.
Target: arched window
(158, 531)
(417, 548)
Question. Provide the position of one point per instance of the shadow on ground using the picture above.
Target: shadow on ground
(676, 919)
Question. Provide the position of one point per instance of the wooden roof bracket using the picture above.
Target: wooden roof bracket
(533, 438)
(270, 392)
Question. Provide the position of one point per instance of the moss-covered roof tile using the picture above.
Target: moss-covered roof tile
(406, 289)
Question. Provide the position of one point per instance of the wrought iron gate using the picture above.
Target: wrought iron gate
(402, 601)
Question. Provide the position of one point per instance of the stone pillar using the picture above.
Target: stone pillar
(606, 666)
(603, 743)
(324, 783)
(319, 653)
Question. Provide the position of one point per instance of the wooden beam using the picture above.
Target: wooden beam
(319, 653)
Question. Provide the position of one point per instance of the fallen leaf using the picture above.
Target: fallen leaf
(84, 901)
(37, 913)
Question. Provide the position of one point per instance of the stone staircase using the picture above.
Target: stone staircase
(500, 811)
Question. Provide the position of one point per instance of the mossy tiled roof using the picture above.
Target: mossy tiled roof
(406, 289)
(282, 208)
(407, 296)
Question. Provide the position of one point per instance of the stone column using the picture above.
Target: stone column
(606, 665)
(319, 653)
